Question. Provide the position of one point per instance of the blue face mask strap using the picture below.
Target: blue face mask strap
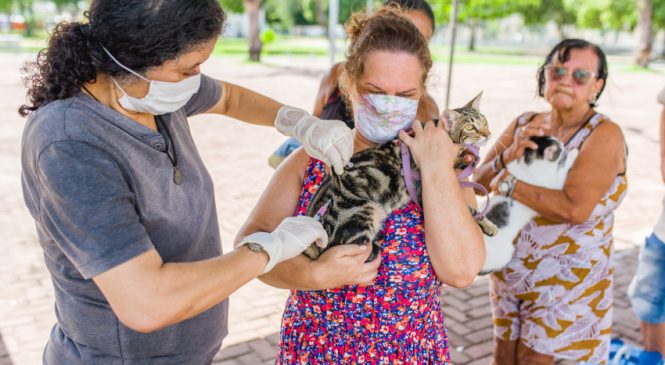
(121, 65)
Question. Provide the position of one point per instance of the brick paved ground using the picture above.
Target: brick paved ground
(236, 157)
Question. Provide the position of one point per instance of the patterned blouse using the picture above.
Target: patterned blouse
(396, 320)
(556, 292)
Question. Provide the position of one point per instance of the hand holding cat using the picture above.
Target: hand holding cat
(431, 146)
(523, 140)
(345, 265)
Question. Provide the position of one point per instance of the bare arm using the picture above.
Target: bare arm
(246, 105)
(601, 158)
(335, 267)
(453, 239)
(662, 143)
(147, 294)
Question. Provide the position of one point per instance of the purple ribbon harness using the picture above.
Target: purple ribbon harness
(411, 176)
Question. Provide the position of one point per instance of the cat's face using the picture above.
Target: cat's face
(549, 149)
(466, 124)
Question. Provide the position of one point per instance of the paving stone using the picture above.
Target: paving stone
(263, 349)
(233, 351)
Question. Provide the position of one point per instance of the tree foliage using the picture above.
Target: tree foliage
(605, 14)
(233, 6)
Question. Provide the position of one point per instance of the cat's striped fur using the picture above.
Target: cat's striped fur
(372, 185)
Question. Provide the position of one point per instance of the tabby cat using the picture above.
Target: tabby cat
(372, 186)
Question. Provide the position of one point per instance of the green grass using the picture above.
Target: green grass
(299, 46)
(290, 46)
(632, 67)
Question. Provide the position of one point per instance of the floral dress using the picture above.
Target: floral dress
(396, 320)
(555, 294)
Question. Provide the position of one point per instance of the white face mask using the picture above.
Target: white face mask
(380, 117)
(162, 97)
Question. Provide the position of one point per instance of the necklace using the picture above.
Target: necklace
(90, 93)
(163, 129)
(575, 128)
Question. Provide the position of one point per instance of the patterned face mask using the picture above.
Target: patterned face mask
(379, 118)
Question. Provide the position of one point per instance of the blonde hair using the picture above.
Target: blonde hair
(388, 29)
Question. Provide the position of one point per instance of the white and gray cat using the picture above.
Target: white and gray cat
(546, 167)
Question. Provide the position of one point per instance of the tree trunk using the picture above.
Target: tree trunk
(644, 29)
(320, 13)
(472, 40)
(26, 10)
(560, 29)
(252, 8)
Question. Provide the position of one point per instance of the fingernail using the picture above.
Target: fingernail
(363, 247)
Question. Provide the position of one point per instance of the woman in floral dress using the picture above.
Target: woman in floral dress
(342, 310)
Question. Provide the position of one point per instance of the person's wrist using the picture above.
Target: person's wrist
(502, 159)
(269, 243)
(506, 186)
(289, 120)
(260, 254)
(437, 170)
(495, 164)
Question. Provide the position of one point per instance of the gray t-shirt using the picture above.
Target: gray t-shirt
(100, 188)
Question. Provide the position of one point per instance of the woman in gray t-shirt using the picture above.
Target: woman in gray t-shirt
(123, 205)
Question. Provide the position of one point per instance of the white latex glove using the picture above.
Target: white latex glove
(330, 141)
(289, 239)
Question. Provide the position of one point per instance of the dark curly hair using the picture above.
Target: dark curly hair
(417, 5)
(562, 52)
(139, 33)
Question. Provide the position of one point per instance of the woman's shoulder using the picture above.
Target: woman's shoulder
(66, 121)
(528, 117)
(298, 165)
(48, 124)
(605, 129)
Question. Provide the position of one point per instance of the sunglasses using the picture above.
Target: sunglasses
(557, 73)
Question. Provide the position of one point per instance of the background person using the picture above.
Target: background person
(647, 290)
(329, 100)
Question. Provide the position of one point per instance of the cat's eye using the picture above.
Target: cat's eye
(468, 128)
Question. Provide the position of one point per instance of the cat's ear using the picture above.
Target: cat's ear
(449, 117)
(475, 102)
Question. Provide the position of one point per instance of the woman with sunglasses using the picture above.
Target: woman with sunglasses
(554, 298)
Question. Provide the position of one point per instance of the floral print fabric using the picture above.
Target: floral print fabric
(397, 320)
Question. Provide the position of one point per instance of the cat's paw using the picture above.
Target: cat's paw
(489, 228)
(313, 252)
